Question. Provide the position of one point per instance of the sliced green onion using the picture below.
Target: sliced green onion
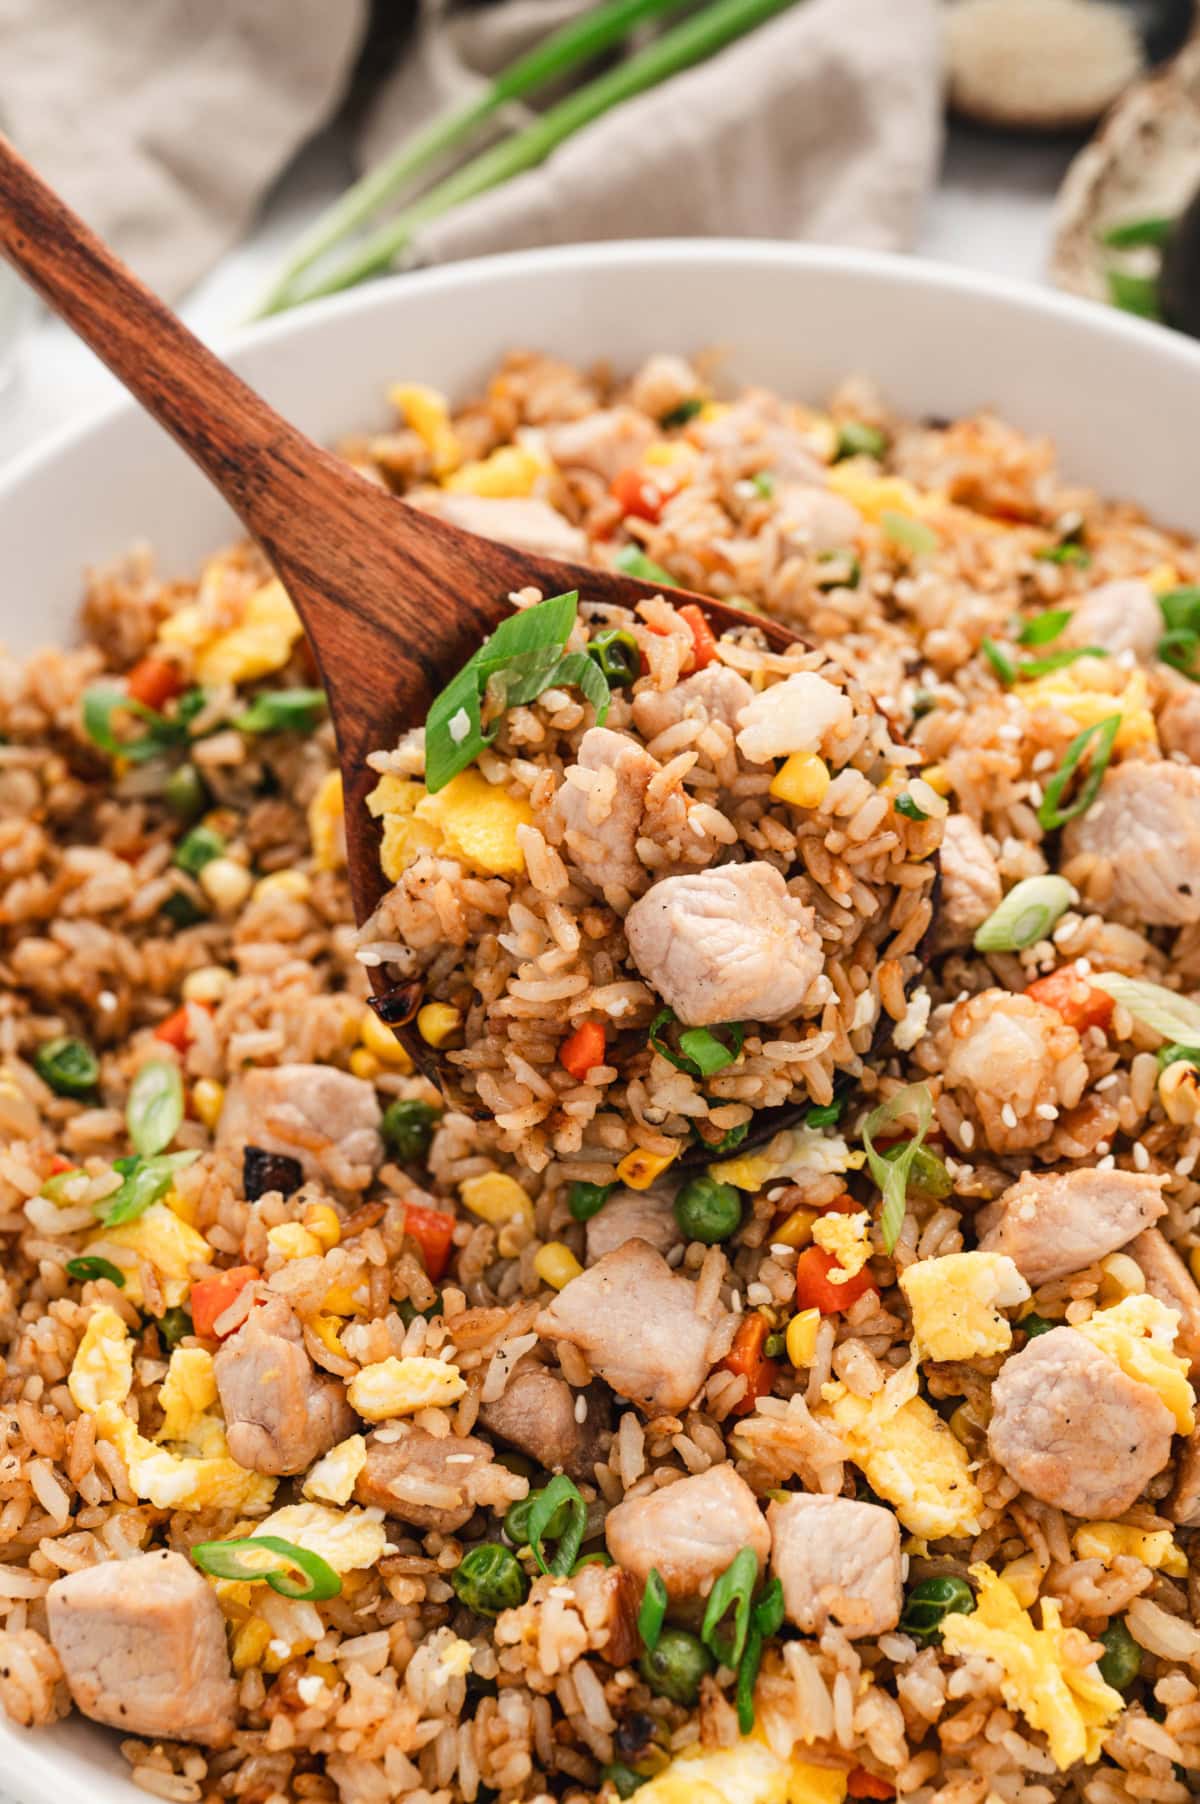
(1154, 230)
(729, 1139)
(1032, 1325)
(653, 1612)
(182, 911)
(523, 658)
(617, 654)
(1181, 616)
(1065, 554)
(905, 805)
(1167, 1013)
(734, 1591)
(1050, 815)
(891, 1173)
(282, 711)
(145, 1182)
(928, 1605)
(631, 560)
(601, 1557)
(586, 1200)
(844, 572)
(701, 1053)
(775, 1346)
(1029, 668)
(1026, 915)
(1044, 627)
(928, 1174)
(825, 1114)
(623, 1779)
(89, 1266)
(856, 439)
(292, 1571)
(103, 702)
(407, 1127)
(765, 1621)
(70, 1067)
(764, 482)
(1174, 1054)
(198, 848)
(687, 410)
(173, 1325)
(1000, 661)
(559, 1494)
(154, 1110)
(1122, 1658)
(1134, 294)
(904, 530)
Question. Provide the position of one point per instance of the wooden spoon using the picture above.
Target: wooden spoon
(393, 601)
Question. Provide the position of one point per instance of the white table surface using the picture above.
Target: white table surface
(990, 212)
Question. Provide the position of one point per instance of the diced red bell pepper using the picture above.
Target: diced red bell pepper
(176, 1030)
(747, 1359)
(582, 1050)
(704, 640)
(862, 1784)
(58, 1165)
(211, 1297)
(1079, 1003)
(814, 1290)
(638, 494)
(153, 682)
(433, 1231)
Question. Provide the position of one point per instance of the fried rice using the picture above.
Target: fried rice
(779, 1301)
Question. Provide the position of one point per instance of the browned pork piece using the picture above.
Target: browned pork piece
(728, 944)
(1169, 1279)
(1054, 1223)
(971, 886)
(647, 1215)
(1184, 1506)
(714, 693)
(601, 814)
(838, 1561)
(1141, 841)
(1179, 720)
(142, 1644)
(536, 1412)
(689, 1530)
(605, 442)
(1014, 1062)
(429, 1480)
(281, 1413)
(526, 522)
(323, 1117)
(1120, 616)
(635, 1320)
(1073, 1430)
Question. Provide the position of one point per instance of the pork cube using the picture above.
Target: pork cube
(323, 1117)
(536, 1412)
(605, 442)
(281, 1413)
(647, 1215)
(838, 1561)
(714, 693)
(598, 809)
(432, 1481)
(1169, 1279)
(971, 886)
(1120, 616)
(689, 1530)
(528, 523)
(1143, 834)
(1054, 1223)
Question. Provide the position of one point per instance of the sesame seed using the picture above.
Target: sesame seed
(581, 1408)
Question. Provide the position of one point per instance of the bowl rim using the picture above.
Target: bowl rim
(1029, 299)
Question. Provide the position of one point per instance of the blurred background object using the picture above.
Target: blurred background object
(16, 311)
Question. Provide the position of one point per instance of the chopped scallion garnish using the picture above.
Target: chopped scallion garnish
(154, 1110)
(617, 654)
(653, 1610)
(1154, 231)
(1070, 553)
(1050, 815)
(733, 1591)
(89, 1266)
(891, 1173)
(1134, 294)
(145, 1181)
(559, 1494)
(1026, 915)
(856, 439)
(1029, 668)
(1181, 617)
(687, 410)
(631, 560)
(292, 1571)
(904, 530)
(1175, 1017)
(69, 1066)
(912, 811)
(701, 1053)
(1044, 627)
(282, 711)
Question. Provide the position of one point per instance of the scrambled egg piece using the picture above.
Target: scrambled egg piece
(400, 1387)
(1106, 1541)
(1071, 1704)
(350, 1540)
(875, 496)
(102, 1371)
(510, 472)
(327, 823)
(908, 1456)
(260, 643)
(163, 1240)
(793, 1151)
(956, 1303)
(171, 1482)
(1083, 693)
(749, 1772)
(1139, 1334)
(188, 1390)
(848, 1237)
(333, 1478)
(428, 413)
(470, 819)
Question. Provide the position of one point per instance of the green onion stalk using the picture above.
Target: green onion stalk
(691, 42)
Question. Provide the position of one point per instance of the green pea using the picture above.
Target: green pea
(408, 1127)
(586, 1200)
(70, 1067)
(676, 1666)
(173, 1324)
(198, 848)
(181, 911)
(856, 439)
(1122, 1659)
(617, 654)
(1033, 1325)
(708, 1211)
(185, 793)
(930, 1602)
(489, 1579)
(623, 1779)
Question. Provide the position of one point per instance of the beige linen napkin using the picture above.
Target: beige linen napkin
(165, 122)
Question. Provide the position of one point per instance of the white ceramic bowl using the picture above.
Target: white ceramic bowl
(1121, 399)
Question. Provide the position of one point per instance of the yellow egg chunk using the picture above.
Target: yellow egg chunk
(1083, 694)
(400, 1387)
(749, 1772)
(908, 1456)
(188, 1389)
(495, 1197)
(163, 1240)
(875, 496)
(509, 473)
(350, 1540)
(848, 1238)
(791, 1152)
(170, 1482)
(102, 1370)
(261, 642)
(327, 823)
(1108, 1541)
(478, 823)
(427, 411)
(1069, 1703)
(1139, 1334)
(334, 1477)
(956, 1302)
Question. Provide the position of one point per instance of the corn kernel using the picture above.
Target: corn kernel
(207, 1097)
(209, 983)
(250, 1643)
(962, 1425)
(1123, 1277)
(325, 1670)
(796, 1230)
(339, 1300)
(938, 781)
(382, 1042)
(293, 1241)
(185, 1207)
(280, 1652)
(427, 412)
(801, 1337)
(511, 471)
(226, 883)
(1024, 1575)
(364, 1064)
(639, 1168)
(802, 780)
(555, 1264)
(295, 885)
(322, 1220)
(1162, 578)
(327, 1330)
(495, 1197)
(1178, 1093)
(327, 823)
(437, 1021)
